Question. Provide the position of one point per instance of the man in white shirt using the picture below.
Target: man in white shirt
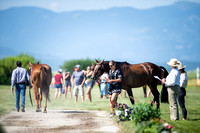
(182, 93)
(172, 82)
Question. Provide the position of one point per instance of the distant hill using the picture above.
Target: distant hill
(155, 34)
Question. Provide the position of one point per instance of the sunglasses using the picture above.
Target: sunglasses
(111, 65)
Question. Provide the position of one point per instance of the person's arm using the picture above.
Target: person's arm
(68, 74)
(72, 80)
(13, 80)
(29, 79)
(119, 79)
(82, 84)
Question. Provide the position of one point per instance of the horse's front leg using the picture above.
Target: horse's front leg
(130, 94)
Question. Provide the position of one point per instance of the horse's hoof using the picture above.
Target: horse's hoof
(38, 110)
(45, 112)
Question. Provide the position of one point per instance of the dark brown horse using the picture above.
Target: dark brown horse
(137, 75)
(40, 78)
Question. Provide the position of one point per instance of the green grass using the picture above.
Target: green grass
(7, 104)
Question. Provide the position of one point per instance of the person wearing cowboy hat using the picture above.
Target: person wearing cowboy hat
(182, 93)
(172, 82)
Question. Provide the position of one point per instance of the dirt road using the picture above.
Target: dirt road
(61, 121)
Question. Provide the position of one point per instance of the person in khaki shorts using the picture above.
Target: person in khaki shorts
(78, 79)
(172, 82)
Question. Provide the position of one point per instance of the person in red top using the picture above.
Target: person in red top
(58, 83)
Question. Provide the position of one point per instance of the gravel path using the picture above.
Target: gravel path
(58, 121)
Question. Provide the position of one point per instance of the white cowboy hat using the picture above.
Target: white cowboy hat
(60, 70)
(181, 67)
(173, 62)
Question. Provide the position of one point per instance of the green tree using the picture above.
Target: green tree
(83, 62)
(8, 64)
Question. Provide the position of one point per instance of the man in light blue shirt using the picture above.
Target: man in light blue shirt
(19, 79)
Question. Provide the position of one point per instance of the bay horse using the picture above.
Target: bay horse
(41, 77)
(137, 75)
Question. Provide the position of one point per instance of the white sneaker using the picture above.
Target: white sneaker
(111, 115)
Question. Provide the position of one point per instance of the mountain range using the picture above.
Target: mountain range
(119, 33)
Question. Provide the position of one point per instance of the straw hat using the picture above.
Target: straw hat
(181, 67)
(173, 62)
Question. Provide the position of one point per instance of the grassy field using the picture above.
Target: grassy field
(7, 103)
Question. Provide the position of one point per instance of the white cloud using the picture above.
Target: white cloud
(54, 6)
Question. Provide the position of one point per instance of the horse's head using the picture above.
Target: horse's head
(98, 70)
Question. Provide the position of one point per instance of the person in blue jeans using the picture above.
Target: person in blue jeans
(19, 79)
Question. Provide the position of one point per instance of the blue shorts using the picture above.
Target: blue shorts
(58, 86)
(67, 83)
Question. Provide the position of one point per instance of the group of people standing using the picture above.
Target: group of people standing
(176, 83)
(77, 80)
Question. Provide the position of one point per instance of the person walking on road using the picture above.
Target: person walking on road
(19, 78)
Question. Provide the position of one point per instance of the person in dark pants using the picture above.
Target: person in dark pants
(19, 79)
(182, 93)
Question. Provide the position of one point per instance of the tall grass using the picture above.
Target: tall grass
(7, 104)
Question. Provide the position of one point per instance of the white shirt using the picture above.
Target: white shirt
(183, 80)
(173, 78)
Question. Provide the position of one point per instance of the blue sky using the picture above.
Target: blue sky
(71, 5)
(132, 53)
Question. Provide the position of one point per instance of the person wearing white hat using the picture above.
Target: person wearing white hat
(78, 80)
(58, 83)
(172, 82)
(182, 93)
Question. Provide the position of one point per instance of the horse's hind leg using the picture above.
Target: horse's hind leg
(40, 99)
(36, 98)
(45, 105)
(130, 94)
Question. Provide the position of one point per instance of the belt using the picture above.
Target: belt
(21, 83)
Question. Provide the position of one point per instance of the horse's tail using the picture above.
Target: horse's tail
(164, 92)
(44, 84)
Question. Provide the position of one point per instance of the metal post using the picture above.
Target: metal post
(197, 76)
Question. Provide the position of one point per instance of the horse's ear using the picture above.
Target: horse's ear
(30, 63)
(38, 62)
(97, 61)
(101, 61)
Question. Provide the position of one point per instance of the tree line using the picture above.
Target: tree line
(8, 64)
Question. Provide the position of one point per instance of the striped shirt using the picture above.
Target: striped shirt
(19, 75)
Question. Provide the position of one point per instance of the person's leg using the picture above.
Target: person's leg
(113, 100)
(69, 89)
(76, 93)
(56, 93)
(173, 103)
(23, 93)
(66, 91)
(82, 92)
(60, 91)
(104, 91)
(181, 100)
(17, 93)
(149, 92)
(89, 93)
